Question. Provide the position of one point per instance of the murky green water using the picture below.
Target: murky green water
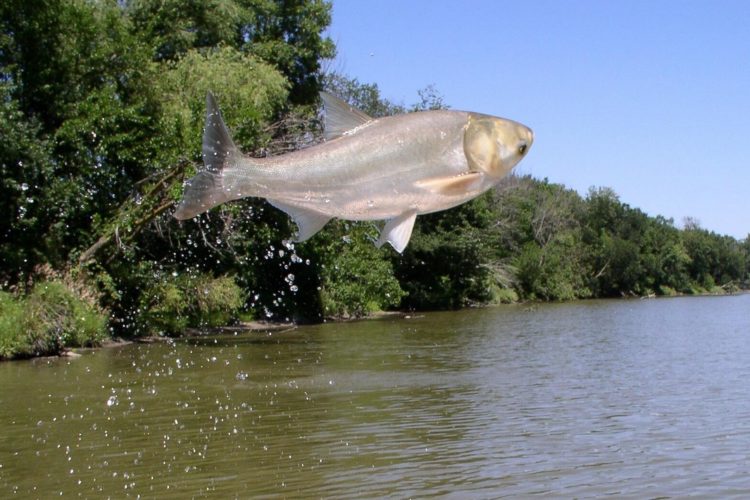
(638, 398)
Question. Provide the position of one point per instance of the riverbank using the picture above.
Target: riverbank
(262, 326)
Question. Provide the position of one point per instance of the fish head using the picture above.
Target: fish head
(494, 145)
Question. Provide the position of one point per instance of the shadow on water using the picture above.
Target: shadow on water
(639, 398)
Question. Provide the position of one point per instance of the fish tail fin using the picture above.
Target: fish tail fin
(220, 156)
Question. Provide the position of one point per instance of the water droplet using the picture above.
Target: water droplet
(112, 401)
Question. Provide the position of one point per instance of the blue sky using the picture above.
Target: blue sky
(650, 98)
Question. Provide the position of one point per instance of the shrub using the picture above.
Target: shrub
(49, 319)
(667, 291)
(503, 295)
(177, 303)
(357, 278)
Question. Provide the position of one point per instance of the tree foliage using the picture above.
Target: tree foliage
(101, 109)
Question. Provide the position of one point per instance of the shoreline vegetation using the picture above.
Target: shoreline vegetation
(44, 343)
(101, 112)
(277, 327)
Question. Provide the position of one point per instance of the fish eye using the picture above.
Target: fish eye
(522, 148)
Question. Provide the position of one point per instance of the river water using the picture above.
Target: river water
(638, 398)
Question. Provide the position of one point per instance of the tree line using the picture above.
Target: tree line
(101, 112)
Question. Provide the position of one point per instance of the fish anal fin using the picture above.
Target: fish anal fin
(453, 184)
(397, 231)
(339, 117)
(308, 222)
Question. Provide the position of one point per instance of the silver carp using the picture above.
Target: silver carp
(392, 168)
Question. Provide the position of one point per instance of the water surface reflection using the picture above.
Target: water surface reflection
(639, 398)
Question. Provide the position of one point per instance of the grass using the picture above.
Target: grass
(12, 341)
(48, 320)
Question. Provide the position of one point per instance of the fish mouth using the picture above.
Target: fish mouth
(526, 141)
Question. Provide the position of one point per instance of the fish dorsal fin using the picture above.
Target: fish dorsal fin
(308, 222)
(397, 231)
(339, 117)
(453, 184)
(218, 147)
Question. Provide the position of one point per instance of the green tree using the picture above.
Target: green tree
(288, 34)
(445, 265)
(537, 228)
(24, 169)
(71, 68)
(745, 250)
(356, 278)
(103, 104)
(665, 258)
(363, 96)
(611, 232)
(173, 27)
(715, 260)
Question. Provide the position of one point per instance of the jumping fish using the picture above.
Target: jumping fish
(392, 168)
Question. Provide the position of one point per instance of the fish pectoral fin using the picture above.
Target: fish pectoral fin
(453, 184)
(308, 222)
(397, 231)
(339, 117)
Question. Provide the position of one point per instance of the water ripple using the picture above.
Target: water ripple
(622, 398)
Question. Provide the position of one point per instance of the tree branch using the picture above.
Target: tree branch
(132, 211)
